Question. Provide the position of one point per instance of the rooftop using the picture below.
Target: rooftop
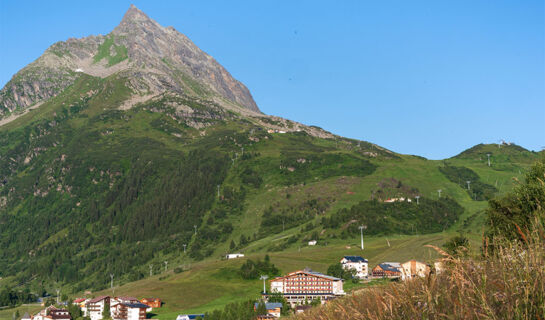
(355, 259)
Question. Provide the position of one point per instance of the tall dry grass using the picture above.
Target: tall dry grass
(508, 283)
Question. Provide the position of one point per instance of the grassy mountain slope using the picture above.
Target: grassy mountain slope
(87, 190)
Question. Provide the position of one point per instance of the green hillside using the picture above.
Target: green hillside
(88, 190)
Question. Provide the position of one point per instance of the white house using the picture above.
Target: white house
(95, 307)
(129, 311)
(312, 242)
(234, 256)
(52, 313)
(357, 263)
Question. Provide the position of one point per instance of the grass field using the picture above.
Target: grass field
(7, 314)
(211, 284)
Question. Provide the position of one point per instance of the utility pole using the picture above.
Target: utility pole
(242, 151)
(166, 266)
(112, 282)
(58, 292)
(488, 155)
(264, 277)
(417, 197)
(468, 182)
(150, 270)
(361, 230)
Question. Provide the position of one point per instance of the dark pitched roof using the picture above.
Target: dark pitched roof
(191, 316)
(136, 305)
(270, 305)
(122, 298)
(387, 267)
(355, 259)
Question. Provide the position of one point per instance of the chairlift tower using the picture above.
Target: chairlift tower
(439, 192)
(264, 277)
(417, 197)
(362, 227)
(468, 183)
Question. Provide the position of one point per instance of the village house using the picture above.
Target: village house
(413, 268)
(52, 313)
(95, 307)
(129, 311)
(306, 285)
(273, 308)
(387, 270)
(152, 302)
(234, 255)
(357, 263)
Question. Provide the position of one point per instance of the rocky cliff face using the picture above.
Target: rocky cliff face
(155, 59)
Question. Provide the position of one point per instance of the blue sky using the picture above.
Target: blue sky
(419, 77)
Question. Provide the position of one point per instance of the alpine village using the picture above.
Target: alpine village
(140, 180)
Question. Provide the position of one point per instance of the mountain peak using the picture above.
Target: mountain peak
(133, 19)
(159, 59)
(134, 14)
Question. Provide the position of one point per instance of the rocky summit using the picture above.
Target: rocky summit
(155, 59)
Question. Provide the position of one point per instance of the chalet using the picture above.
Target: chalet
(387, 270)
(306, 285)
(273, 308)
(357, 263)
(234, 256)
(129, 311)
(152, 302)
(52, 313)
(190, 316)
(95, 307)
(413, 268)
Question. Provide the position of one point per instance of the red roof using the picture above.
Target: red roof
(79, 300)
